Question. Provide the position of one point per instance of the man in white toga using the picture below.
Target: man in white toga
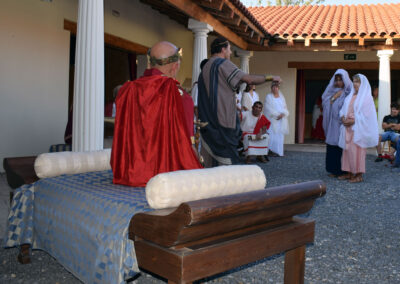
(254, 127)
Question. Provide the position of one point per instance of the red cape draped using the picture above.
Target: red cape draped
(151, 133)
(263, 121)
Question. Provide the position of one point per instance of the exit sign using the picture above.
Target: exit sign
(350, 56)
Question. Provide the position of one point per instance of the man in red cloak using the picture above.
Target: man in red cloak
(154, 122)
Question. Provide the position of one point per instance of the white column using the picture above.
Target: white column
(88, 113)
(244, 56)
(200, 31)
(384, 85)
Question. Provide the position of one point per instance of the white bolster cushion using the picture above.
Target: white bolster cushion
(59, 163)
(171, 189)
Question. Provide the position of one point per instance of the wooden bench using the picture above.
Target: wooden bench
(19, 171)
(206, 237)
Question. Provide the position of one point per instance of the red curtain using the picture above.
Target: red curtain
(300, 106)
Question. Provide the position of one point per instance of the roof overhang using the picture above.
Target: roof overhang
(229, 18)
(329, 44)
(330, 27)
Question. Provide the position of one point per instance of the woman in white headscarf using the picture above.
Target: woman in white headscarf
(332, 101)
(276, 111)
(359, 130)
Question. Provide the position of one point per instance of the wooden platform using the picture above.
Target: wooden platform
(206, 237)
(19, 171)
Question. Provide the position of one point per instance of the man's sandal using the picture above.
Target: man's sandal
(261, 159)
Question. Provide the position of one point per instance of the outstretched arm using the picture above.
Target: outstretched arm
(259, 79)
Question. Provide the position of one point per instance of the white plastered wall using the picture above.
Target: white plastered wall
(142, 24)
(276, 63)
(34, 64)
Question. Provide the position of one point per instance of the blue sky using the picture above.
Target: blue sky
(335, 2)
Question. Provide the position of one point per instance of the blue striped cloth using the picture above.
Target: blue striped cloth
(82, 221)
(60, 148)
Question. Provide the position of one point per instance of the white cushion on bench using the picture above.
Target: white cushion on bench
(171, 189)
(59, 163)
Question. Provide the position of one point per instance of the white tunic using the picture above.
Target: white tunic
(273, 107)
(248, 100)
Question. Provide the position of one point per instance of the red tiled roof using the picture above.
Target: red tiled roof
(248, 14)
(330, 20)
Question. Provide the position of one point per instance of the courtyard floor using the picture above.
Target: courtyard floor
(357, 237)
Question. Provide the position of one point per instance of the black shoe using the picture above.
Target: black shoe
(272, 154)
(379, 159)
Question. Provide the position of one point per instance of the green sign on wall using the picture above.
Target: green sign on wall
(350, 56)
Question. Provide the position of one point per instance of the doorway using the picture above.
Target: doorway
(310, 90)
(120, 65)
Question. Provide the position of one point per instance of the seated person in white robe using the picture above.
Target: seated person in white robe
(254, 126)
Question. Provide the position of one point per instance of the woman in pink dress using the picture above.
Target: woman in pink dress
(359, 130)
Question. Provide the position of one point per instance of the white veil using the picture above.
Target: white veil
(366, 132)
(346, 81)
(331, 90)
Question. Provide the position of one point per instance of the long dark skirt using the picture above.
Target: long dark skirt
(333, 163)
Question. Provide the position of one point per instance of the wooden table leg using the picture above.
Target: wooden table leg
(24, 255)
(294, 265)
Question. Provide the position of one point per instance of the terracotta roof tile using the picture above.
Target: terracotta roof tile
(395, 20)
(329, 20)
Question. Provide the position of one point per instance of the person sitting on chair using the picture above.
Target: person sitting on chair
(389, 124)
(397, 146)
(254, 126)
(154, 122)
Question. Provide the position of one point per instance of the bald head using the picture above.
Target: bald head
(165, 50)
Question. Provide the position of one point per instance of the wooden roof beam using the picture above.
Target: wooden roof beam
(359, 65)
(389, 41)
(240, 29)
(213, 5)
(253, 39)
(198, 13)
(366, 37)
(111, 39)
(244, 19)
(233, 22)
(326, 46)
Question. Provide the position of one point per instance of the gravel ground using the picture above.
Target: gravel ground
(357, 238)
